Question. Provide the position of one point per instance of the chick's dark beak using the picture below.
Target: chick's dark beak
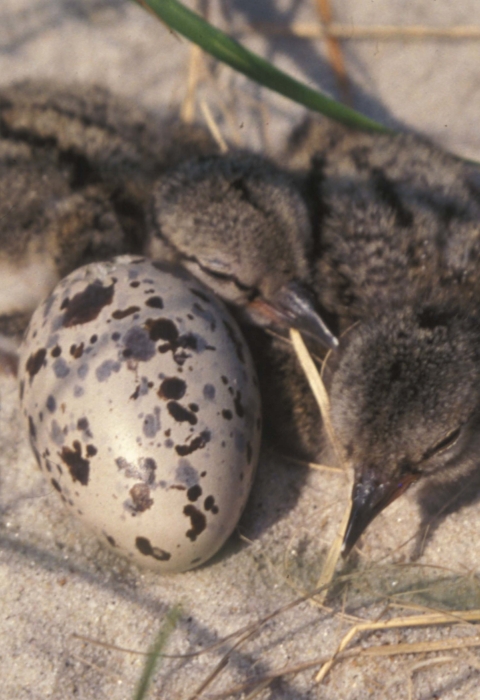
(370, 496)
(293, 306)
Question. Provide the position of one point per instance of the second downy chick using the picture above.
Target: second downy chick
(76, 169)
(239, 224)
(397, 241)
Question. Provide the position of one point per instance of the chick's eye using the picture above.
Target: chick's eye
(448, 441)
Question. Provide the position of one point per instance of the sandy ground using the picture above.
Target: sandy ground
(65, 598)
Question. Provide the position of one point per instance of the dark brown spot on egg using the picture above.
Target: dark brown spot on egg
(140, 494)
(162, 329)
(136, 393)
(83, 424)
(237, 402)
(86, 306)
(135, 284)
(154, 302)
(189, 341)
(35, 362)
(78, 466)
(181, 414)
(111, 541)
(91, 450)
(209, 505)
(144, 547)
(196, 444)
(194, 493)
(119, 314)
(76, 351)
(56, 351)
(172, 388)
(227, 414)
(94, 339)
(198, 522)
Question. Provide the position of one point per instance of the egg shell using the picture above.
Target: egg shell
(142, 406)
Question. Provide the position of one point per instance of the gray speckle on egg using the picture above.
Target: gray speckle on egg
(142, 407)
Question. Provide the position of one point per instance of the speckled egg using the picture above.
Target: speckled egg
(143, 410)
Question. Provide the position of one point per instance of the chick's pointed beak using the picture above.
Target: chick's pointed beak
(370, 496)
(293, 306)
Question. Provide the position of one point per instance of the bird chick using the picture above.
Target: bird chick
(405, 401)
(76, 170)
(393, 216)
(396, 251)
(240, 224)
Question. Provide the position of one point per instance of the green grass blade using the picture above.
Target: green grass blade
(229, 51)
(154, 653)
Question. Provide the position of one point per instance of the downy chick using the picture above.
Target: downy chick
(76, 169)
(240, 224)
(397, 247)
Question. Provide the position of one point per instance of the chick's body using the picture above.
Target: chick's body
(397, 238)
(394, 217)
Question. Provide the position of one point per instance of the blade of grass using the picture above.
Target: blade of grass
(154, 653)
(229, 51)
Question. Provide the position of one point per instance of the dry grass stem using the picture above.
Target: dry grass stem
(187, 110)
(402, 622)
(103, 671)
(259, 689)
(334, 51)
(318, 388)
(213, 127)
(334, 554)
(221, 664)
(110, 647)
(425, 664)
(314, 465)
(235, 133)
(308, 30)
(316, 384)
(359, 652)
